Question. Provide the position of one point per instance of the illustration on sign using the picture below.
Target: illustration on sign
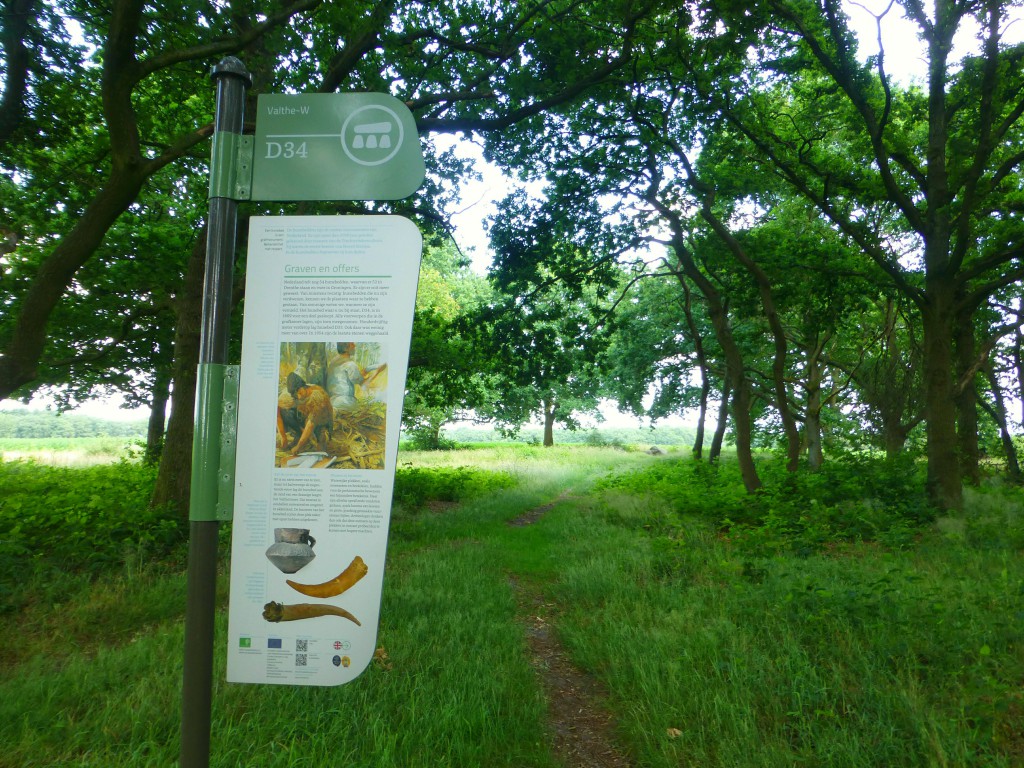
(324, 360)
(351, 146)
(341, 422)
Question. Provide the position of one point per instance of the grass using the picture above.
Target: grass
(861, 656)
(716, 650)
(455, 688)
(452, 690)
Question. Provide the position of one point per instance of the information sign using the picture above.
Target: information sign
(325, 348)
(335, 146)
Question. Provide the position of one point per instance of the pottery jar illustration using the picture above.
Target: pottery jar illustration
(292, 549)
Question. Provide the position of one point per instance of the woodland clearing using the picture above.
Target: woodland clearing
(836, 621)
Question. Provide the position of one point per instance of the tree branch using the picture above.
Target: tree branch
(226, 46)
(368, 39)
(125, 332)
(566, 94)
(841, 69)
(977, 297)
(984, 145)
(120, 74)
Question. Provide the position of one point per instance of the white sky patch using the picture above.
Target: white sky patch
(905, 53)
(107, 408)
(478, 201)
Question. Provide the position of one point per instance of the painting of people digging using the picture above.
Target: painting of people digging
(331, 406)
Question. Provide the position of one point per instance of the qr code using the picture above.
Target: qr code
(300, 659)
(301, 645)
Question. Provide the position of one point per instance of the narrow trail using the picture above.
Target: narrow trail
(531, 516)
(579, 718)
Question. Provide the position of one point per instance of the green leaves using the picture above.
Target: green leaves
(851, 499)
(79, 519)
(546, 349)
(416, 487)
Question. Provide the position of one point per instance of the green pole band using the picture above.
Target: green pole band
(206, 442)
(228, 444)
(231, 166)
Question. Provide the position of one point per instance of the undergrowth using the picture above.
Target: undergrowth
(860, 499)
(853, 655)
(416, 486)
(59, 525)
(88, 518)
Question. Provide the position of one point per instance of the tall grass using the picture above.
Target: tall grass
(96, 681)
(719, 646)
(859, 656)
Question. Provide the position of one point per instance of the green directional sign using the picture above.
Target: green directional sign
(335, 146)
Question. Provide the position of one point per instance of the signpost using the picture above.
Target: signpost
(324, 358)
(328, 146)
(232, 81)
(360, 273)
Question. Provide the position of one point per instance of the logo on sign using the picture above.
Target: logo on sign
(372, 135)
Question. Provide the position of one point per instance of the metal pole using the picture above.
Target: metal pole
(232, 80)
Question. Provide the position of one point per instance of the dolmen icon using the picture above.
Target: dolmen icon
(372, 136)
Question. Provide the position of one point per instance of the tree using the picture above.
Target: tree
(122, 87)
(544, 356)
(546, 336)
(943, 159)
(661, 335)
(923, 181)
(447, 374)
(144, 129)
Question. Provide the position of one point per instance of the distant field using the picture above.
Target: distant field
(68, 451)
(601, 436)
(88, 451)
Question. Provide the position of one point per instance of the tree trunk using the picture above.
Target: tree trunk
(1018, 363)
(999, 414)
(741, 396)
(174, 477)
(738, 383)
(967, 402)
(735, 376)
(550, 409)
(723, 420)
(945, 488)
(888, 385)
(435, 432)
(814, 406)
(157, 415)
(19, 19)
(741, 406)
(780, 343)
(812, 431)
(702, 364)
(702, 414)
(894, 437)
